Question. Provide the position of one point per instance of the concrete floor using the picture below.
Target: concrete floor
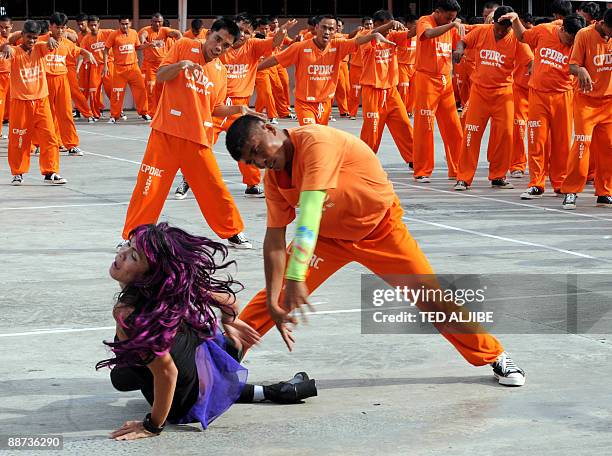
(378, 394)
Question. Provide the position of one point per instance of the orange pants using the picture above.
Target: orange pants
(164, 155)
(278, 92)
(518, 161)
(343, 88)
(435, 99)
(313, 112)
(265, 99)
(251, 175)
(354, 98)
(94, 87)
(550, 117)
(499, 107)
(5, 85)
(388, 250)
(27, 117)
(149, 70)
(592, 135)
(406, 85)
(122, 76)
(385, 107)
(61, 108)
(78, 98)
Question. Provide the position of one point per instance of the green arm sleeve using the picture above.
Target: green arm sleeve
(309, 219)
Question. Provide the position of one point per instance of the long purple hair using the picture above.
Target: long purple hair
(177, 290)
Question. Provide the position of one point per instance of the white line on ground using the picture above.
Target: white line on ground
(125, 203)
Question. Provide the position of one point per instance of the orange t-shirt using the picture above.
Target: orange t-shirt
(594, 53)
(28, 80)
(81, 36)
(95, 45)
(521, 73)
(187, 101)
(380, 69)
(56, 61)
(123, 46)
(5, 64)
(241, 65)
(201, 35)
(551, 62)
(158, 39)
(406, 53)
(496, 59)
(316, 70)
(356, 56)
(358, 190)
(434, 56)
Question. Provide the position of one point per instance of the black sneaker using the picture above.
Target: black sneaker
(604, 201)
(501, 183)
(422, 179)
(146, 117)
(461, 186)
(54, 178)
(569, 201)
(181, 190)
(507, 372)
(75, 152)
(17, 179)
(532, 193)
(294, 391)
(239, 241)
(254, 191)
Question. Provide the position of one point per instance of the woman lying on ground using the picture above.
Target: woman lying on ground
(168, 343)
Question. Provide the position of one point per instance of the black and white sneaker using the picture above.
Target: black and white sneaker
(604, 201)
(239, 241)
(181, 190)
(501, 183)
(112, 120)
(517, 174)
(507, 372)
(461, 186)
(422, 179)
(254, 191)
(91, 120)
(569, 201)
(532, 193)
(54, 178)
(75, 152)
(291, 116)
(273, 121)
(37, 150)
(146, 117)
(353, 118)
(123, 116)
(17, 179)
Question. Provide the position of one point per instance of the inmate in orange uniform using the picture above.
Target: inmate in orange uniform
(279, 79)
(60, 98)
(491, 98)
(435, 99)
(316, 76)
(126, 71)
(95, 45)
(406, 57)
(76, 89)
(382, 103)
(520, 91)
(152, 56)
(241, 66)
(181, 137)
(592, 114)
(30, 111)
(361, 221)
(344, 86)
(550, 106)
(355, 69)
(5, 79)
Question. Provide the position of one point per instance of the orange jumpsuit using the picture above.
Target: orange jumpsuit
(95, 45)
(361, 221)
(520, 90)
(181, 138)
(592, 115)
(344, 86)
(355, 69)
(5, 82)
(406, 56)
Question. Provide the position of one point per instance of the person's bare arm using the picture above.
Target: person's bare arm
(169, 72)
(105, 68)
(584, 78)
(165, 374)
(458, 52)
(267, 63)
(378, 37)
(435, 32)
(72, 37)
(227, 111)
(517, 25)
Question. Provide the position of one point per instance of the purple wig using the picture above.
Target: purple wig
(176, 290)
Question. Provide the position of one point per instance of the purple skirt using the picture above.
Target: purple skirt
(221, 380)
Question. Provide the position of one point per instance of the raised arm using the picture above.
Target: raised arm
(435, 32)
(517, 25)
(267, 63)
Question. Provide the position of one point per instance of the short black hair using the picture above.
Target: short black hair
(262, 21)
(5, 18)
(561, 7)
(499, 12)
(125, 16)
(58, 19)
(44, 26)
(226, 24)
(247, 18)
(326, 16)
(93, 18)
(591, 8)
(312, 21)
(339, 19)
(382, 16)
(31, 26)
(158, 14)
(365, 18)
(82, 17)
(475, 20)
(448, 5)
(573, 23)
(542, 20)
(239, 133)
(528, 18)
(196, 25)
(607, 17)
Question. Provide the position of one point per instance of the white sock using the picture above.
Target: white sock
(258, 393)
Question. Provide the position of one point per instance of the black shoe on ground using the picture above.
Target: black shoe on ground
(461, 186)
(569, 201)
(507, 372)
(239, 241)
(75, 152)
(54, 178)
(532, 193)
(254, 191)
(17, 179)
(604, 201)
(300, 387)
(181, 190)
(501, 183)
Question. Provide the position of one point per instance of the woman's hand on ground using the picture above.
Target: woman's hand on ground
(131, 430)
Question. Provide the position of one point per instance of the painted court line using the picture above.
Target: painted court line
(62, 206)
